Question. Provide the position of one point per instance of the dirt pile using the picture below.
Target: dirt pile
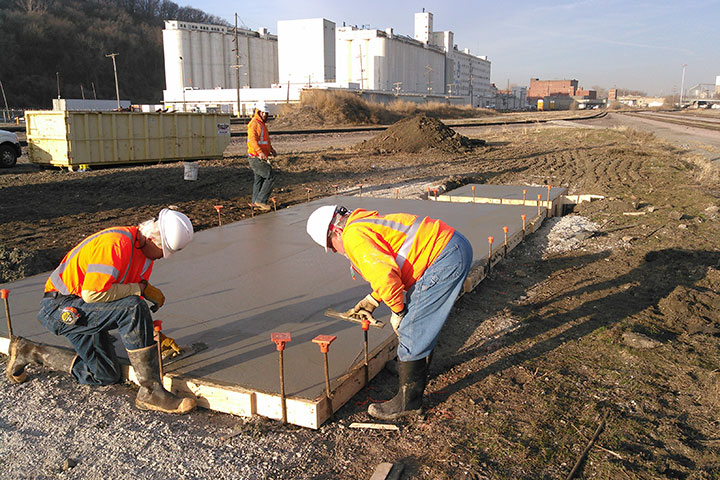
(419, 134)
(319, 108)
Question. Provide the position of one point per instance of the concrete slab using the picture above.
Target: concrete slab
(235, 284)
(508, 195)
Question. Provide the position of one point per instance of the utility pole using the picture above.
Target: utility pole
(117, 89)
(7, 110)
(57, 80)
(682, 84)
(182, 80)
(237, 65)
(428, 71)
(362, 71)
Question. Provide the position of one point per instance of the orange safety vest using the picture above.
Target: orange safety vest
(99, 261)
(393, 251)
(258, 139)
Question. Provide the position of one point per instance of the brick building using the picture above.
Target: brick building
(553, 89)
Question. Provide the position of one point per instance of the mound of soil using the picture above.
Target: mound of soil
(419, 134)
(16, 264)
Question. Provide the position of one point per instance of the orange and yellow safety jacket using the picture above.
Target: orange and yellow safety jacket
(101, 260)
(393, 251)
(258, 139)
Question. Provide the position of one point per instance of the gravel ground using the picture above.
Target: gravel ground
(52, 427)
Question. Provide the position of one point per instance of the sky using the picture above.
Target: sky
(637, 45)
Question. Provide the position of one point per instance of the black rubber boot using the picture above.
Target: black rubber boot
(23, 352)
(391, 366)
(408, 401)
(152, 395)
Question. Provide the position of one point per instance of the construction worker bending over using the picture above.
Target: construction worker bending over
(98, 287)
(259, 149)
(415, 265)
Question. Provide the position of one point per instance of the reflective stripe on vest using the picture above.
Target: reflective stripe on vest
(57, 280)
(410, 232)
(262, 135)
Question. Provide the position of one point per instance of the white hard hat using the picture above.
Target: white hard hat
(262, 106)
(176, 231)
(318, 224)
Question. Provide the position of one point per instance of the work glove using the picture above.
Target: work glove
(397, 318)
(154, 296)
(168, 346)
(368, 304)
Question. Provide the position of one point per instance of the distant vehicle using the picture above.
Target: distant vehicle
(9, 149)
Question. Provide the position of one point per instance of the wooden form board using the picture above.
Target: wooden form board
(235, 284)
(550, 198)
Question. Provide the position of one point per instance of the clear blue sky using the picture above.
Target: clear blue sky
(640, 45)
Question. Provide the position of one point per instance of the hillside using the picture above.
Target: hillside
(44, 41)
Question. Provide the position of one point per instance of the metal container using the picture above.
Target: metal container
(67, 138)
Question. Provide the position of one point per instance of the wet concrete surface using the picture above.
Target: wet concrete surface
(235, 284)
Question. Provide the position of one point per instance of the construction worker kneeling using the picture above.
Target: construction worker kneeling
(417, 266)
(98, 287)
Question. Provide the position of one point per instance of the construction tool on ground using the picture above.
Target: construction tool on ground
(375, 426)
(349, 316)
(324, 341)
(366, 326)
(170, 356)
(5, 293)
(157, 326)
(280, 340)
(218, 208)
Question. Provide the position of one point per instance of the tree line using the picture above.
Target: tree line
(51, 46)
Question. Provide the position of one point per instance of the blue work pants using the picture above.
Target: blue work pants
(430, 299)
(97, 363)
(264, 179)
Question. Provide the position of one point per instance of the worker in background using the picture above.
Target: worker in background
(98, 287)
(259, 151)
(416, 266)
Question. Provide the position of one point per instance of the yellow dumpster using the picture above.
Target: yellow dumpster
(70, 138)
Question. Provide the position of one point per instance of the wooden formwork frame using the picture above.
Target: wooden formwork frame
(310, 413)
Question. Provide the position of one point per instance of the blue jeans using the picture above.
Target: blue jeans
(264, 179)
(97, 363)
(430, 299)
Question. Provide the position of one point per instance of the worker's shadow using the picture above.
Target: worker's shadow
(638, 289)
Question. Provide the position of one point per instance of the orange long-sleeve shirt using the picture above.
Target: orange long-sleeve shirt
(392, 251)
(258, 139)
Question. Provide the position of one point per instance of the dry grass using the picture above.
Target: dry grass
(320, 107)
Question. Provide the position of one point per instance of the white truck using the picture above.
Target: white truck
(9, 149)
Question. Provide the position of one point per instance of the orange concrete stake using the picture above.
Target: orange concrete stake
(538, 202)
(548, 198)
(360, 187)
(428, 197)
(523, 216)
(5, 293)
(473, 190)
(435, 192)
(524, 195)
(397, 194)
(336, 189)
(366, 326)
(505, 231)
(280, 340)
(272, 199)
(218, 208)
(490, 242)
(308, 193)
(324, 341)
(157, 327)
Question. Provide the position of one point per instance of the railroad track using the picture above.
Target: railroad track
(709, 124)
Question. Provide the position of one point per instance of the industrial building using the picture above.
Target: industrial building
(559, 93)
(313, 53)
